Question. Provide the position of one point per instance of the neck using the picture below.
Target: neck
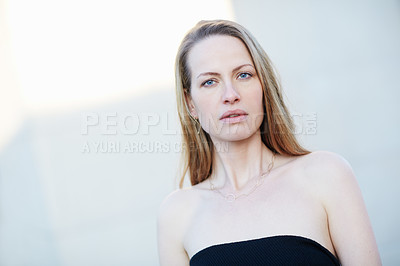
(238, 163)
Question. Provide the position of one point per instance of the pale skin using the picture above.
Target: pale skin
(315, 196)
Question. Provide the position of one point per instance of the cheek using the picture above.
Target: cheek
(257, 98)
(203, 104)
(206, 111)
(260, 99)
(258, 106)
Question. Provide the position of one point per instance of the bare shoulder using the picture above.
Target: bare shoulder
(327, 170)
(173, 200)
(325, 161)
(175, 206)
(172, 221)
(325, 175)
(332, 179)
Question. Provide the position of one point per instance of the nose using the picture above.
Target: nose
(230, 95)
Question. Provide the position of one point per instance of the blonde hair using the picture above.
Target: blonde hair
(277, 126)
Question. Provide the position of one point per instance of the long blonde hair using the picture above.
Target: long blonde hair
(277, 126)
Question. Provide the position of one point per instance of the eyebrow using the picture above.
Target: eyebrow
(217, 74)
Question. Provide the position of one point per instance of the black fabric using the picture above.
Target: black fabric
(275, 250)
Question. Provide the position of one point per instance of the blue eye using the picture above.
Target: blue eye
(244, 75)
(208, 83)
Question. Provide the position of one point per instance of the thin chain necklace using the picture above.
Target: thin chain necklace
(230, 197)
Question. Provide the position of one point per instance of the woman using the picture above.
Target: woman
(257, 196)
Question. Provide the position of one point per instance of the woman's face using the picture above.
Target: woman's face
(226, 93)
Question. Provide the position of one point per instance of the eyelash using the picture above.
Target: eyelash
(204, 83)
(249, 75)
(245, 73)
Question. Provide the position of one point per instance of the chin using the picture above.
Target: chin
(239, 135)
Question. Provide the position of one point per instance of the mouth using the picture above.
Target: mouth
(233, 116)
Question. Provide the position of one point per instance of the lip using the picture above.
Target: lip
(240, 115)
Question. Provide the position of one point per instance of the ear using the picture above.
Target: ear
(190, 104)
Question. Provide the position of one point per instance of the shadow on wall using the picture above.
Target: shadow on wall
(84, 188)
(25, 229)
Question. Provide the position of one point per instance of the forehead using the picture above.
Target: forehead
(218, 53)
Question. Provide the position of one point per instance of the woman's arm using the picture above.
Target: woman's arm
(170, 225)
(348, 221)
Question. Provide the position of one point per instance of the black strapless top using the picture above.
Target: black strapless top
(275, 250)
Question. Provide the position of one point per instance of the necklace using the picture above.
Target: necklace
(230, 197)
